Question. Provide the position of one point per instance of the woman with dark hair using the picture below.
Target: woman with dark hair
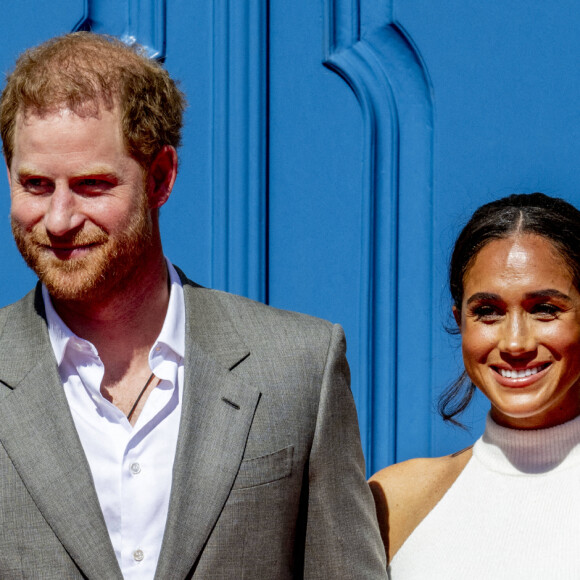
(508, 507)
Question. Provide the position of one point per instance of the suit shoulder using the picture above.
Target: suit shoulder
(17, 309)
(241, 303)
(247, 313)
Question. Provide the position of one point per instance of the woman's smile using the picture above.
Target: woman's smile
(518, 378)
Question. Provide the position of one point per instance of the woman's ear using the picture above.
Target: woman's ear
(457, 316)
(161, 176)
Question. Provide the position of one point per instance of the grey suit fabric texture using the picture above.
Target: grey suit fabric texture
(268, 478)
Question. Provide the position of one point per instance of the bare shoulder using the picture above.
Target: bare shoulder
(406, 492)
(416, 476)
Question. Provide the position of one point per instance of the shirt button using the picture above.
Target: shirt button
(138, 555)
(135, 469)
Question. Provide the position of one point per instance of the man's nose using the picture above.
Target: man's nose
(62, 214)
(517, 337)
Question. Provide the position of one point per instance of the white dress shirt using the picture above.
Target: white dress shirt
(131, 465)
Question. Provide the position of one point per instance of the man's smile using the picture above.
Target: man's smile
(66, 252)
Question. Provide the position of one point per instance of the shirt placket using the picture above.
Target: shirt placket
(141, 465)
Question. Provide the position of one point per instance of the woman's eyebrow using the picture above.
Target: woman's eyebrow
(483, 296)
(547, 293)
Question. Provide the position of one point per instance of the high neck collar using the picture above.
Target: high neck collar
(535, 451)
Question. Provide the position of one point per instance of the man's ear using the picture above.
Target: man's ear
(457, 316)
(161, 176)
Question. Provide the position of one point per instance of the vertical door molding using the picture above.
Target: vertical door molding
(142, 21)
(147, 25)
(82, 23)
(239, 222)
(392, 88)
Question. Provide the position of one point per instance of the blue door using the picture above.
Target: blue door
(333, 150)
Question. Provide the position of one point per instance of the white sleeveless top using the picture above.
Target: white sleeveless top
(513, 512)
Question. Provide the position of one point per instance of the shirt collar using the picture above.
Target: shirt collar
(170, 344)
(59, 333)
(170, 339)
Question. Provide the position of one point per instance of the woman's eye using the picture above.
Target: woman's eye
(545, 311)
(486, 313)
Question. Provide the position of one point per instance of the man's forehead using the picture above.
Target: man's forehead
(86, 109)
(63, 132)
(33, 116)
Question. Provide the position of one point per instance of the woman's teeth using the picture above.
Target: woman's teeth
(520, 374)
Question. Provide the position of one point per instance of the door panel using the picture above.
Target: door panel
(332, 151)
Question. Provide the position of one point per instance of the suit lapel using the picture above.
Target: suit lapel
(38, 434)
(217, 414)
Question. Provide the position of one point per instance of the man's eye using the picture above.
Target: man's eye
(93, 182)
(37, 185)
(92, 185)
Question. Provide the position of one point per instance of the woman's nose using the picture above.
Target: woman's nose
(517, 337)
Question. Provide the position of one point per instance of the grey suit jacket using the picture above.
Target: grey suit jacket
(268, 479)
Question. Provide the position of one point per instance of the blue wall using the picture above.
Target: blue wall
(333, 150)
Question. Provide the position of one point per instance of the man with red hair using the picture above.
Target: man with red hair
(150, 427)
